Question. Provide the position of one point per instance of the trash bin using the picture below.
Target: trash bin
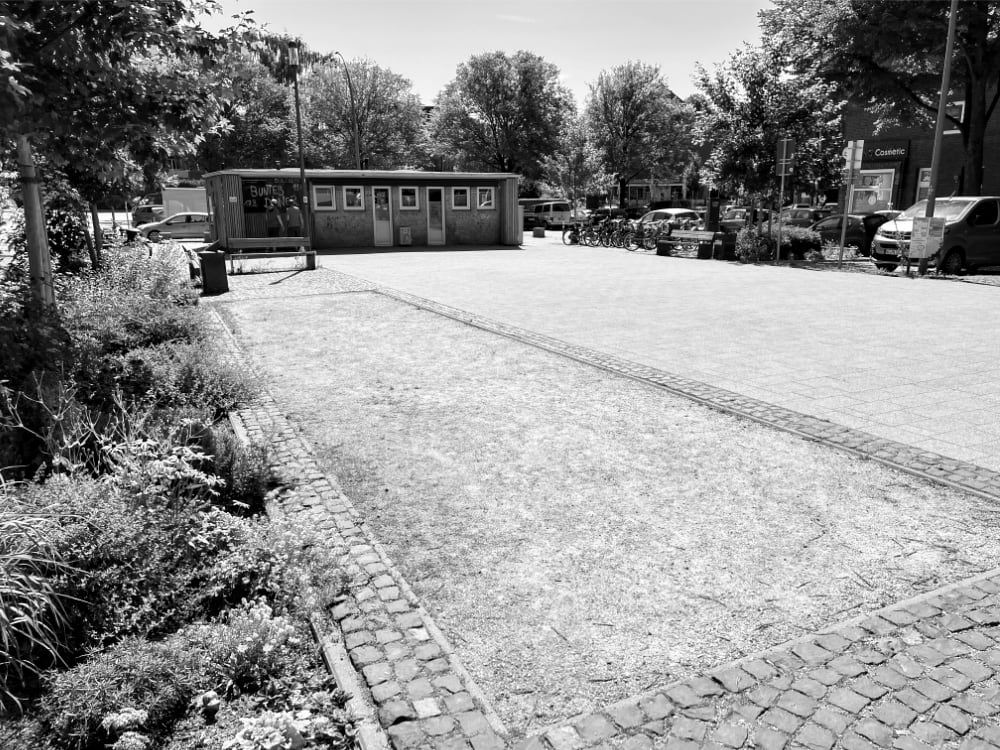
(538, 232)
(664, 247)
(213, 273)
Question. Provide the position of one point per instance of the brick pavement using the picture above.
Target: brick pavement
(920, 673)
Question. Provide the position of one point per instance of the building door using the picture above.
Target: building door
(435, 216)
(382, 216)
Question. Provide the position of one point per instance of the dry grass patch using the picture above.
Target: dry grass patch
(582, 537)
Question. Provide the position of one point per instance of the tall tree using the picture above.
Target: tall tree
(256, 125)
(750, 102)
(389, 115)
(575, 168)
(638, 123)
(890, 55)
(94, 83)
(502, 113)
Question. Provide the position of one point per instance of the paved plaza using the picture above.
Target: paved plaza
(896, 369)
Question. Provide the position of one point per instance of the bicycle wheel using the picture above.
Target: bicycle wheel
(649, 242)
(590, 237)
(569, 235)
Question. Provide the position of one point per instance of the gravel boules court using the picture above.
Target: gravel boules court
(581, 537)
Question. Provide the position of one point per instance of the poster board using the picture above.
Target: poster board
(928, 234)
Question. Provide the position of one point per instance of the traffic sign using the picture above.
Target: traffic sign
(786, 157)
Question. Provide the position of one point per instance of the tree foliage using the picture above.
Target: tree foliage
(575, 168)
(102, 85)
(389, 115)
(748, 104)
(501, 113)
(256, 124)
(890, 56)
(637, 122)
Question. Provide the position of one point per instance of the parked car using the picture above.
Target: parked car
(602, 214)
(971, 234)
(802, 217)
(734, 219)
(147, 214)
(861, 229)
(179, 226)
(552, 214)
(679, 218)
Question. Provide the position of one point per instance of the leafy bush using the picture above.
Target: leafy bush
(796, 241)
(253, 648)
(66, 232)
(752, 246)
(156, 678)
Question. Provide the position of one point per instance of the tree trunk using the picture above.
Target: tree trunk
(90, 248)
(95, 258)
(39, 260)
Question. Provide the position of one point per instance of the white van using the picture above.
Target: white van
(553, 214)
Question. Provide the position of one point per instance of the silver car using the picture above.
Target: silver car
(971, 234)
(185, 225)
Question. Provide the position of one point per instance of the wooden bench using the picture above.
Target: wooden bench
(236, 248)
(683, 238)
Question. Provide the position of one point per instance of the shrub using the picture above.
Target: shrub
(31, 610)
(65, 230)
(245, 470)
(251, 649)
(156, 678)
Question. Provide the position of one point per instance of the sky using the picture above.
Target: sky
(425, 40)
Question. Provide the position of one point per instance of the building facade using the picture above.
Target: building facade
(370, 208)
(896, 163)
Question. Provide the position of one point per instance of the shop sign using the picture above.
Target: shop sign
(886, 150)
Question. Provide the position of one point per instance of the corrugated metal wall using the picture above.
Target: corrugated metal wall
(226, 193)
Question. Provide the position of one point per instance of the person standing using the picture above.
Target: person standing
(294, 217)
(272, 219)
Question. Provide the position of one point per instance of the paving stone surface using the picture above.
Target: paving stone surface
(919, 673)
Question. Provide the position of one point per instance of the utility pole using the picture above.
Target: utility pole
(306, 203)
(939, 127)
(785, 166)
(39, 260)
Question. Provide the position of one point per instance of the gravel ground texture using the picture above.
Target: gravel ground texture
(582, 537)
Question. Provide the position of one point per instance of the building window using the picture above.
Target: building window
(460, 198)
(408, 199)
(923, 183)
(485, 199)
(354, 198)
(323, 198)
(956, 110)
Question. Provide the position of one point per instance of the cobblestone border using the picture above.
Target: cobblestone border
(927, 465)
(919, 673)
(405, 683)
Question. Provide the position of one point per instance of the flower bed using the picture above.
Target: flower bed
(147, 600)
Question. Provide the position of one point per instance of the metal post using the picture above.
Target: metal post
(781, 201)
(847, 203)
(939, 126)
(354, 112)
(39, 261)
(306, 207)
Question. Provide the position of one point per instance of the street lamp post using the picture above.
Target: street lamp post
(293, 49)
(354, 112)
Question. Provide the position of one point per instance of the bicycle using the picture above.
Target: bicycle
(571, 234)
